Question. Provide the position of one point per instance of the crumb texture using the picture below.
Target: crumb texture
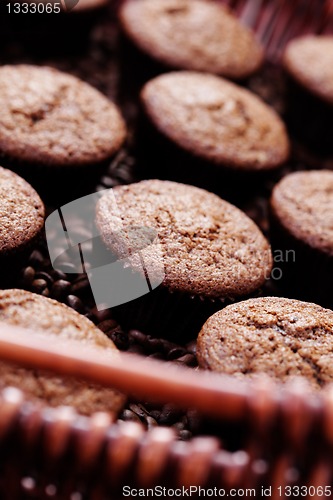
(52, 118)
(278, 337)
(309, 60)
(216, 120)
(303, 204)
(208, 246)
(28, 310)
(22, 212)
(192, 34)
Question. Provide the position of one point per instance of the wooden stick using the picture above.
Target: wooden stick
(211, 394)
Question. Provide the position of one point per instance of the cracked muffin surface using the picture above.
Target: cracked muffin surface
(309, 60)
(192, 34)
(52, 118)
(302, 202)
(22, 213)
(208, 246)
(49, 318)
(282, 338)
(216, 120)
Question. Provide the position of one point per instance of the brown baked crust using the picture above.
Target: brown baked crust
(209, 247)
(278, 337)
(192, 34)
(216, 120)
(302, 202)
(54, 119)
(25, 309)
(22, 213)
(309, 60)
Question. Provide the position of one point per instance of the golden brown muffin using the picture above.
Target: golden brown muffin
(22, 224)
(49, 118)
(209, 247)
(302, 228)
(192, 34)
(278, 337)
(22, 214)
(302, 202)
(309, 60)
(216, 120)
(40, 314)
(204, 252)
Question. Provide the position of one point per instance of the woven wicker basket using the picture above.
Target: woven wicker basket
(287, 433)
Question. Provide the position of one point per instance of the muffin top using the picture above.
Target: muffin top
(192, 34)
(303, 204)
(22, 212)
(208, 247)
(216, 120)
(309, 60)
(279, 337)
(52, 118)
(49, 317)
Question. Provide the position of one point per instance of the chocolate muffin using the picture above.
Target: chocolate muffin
(216, 120)
(52, 121)
(277, 337)
(192, 34)
(308, 61)
(221, 128)
(302, 221)
(210, 251)
(22, 222)
(46, 316)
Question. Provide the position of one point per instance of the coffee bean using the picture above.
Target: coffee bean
(154, 344)
(101, 315)
(176, 352)
(60, 289)
(138, 410)
(168, 415)
(130, 416)
(155, 414)
(36, 258)
(107, 181)
(124, 174)
(81, 287)
(75, 303)
(138, 337)
(185, 435)
(47, 277)
(59, 275)
(39, 285)
(179, 426)
(168, 346)
(108, 325)
(28, 276)
(120, 339)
